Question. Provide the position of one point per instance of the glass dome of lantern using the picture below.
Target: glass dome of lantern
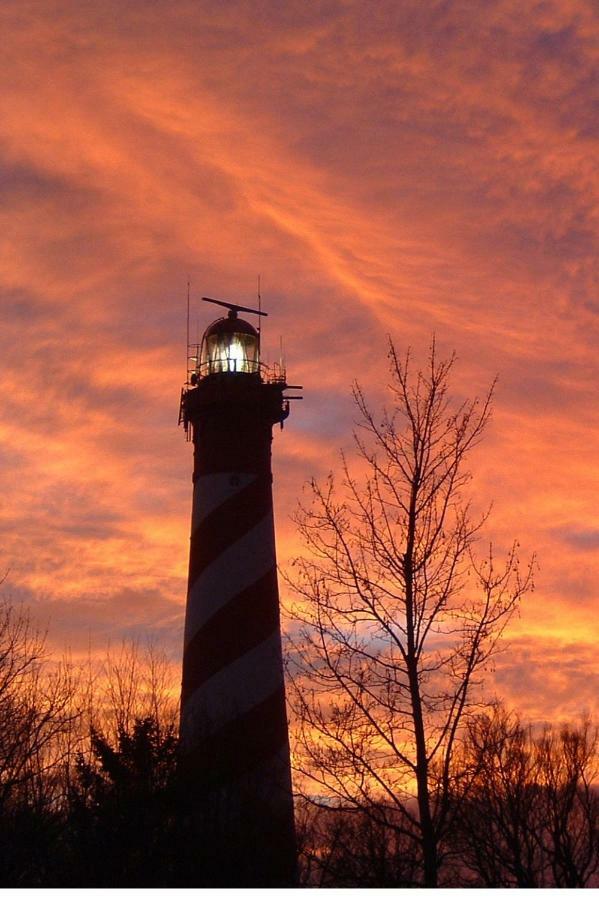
(230, 345)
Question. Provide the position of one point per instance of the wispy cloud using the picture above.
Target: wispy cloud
(395, 168)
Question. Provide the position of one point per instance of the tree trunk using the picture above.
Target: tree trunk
(429, 842)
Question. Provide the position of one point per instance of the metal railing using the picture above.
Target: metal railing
(196, 370)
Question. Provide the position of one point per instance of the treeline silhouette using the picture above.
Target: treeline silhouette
(90, 794)
(524, 814)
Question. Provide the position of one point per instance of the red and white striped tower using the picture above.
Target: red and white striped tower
(234, 740)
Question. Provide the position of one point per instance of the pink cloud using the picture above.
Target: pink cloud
(401, 168)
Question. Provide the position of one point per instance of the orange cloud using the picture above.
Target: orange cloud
(404, 169)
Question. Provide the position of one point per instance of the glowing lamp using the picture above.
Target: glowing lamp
(230, 345)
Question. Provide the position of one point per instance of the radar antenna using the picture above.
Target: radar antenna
(234, 307)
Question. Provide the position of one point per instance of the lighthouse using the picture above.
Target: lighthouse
(233, 736)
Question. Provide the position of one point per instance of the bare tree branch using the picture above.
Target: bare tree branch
(395, 618)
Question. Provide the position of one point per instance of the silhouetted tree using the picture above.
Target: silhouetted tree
(355, 848)
(122, 798)
(38, 715)
(498, 804)
(527, 812)
(122, 817)
(396, 618)
(36, 703)
(135, 681)
(88, 780)
(568, 765)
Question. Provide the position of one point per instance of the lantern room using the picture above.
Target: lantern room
(230, 345)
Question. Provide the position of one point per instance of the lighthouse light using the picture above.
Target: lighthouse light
(231, 356)
(229, 346)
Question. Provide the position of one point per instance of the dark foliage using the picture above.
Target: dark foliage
(121, 823)
(124, 817)
(527, 815)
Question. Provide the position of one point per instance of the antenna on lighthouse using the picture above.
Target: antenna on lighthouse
(187, 341)
(259, 305)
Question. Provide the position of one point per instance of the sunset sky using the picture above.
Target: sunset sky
(399, 167)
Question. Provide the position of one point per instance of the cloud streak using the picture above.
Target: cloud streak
(404, 169)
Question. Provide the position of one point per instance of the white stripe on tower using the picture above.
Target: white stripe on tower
(209, 491)
(233, 689)
(215, 587)
(218, 700)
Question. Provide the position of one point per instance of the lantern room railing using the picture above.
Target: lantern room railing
(198, 369)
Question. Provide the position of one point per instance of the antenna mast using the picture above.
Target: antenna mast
(259, 305)
(187, 345)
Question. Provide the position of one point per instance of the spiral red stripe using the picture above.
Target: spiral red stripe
(226, 524)
(221, 581)
(242, 624)
(241, 745)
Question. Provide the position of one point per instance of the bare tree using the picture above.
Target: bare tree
(131, 683)
(37, 707)
(500, 814)
(395, 618)
(340, 847)
(528, 809)
(568, 765)
(38, 716)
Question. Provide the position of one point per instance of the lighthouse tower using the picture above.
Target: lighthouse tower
(234, 740)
